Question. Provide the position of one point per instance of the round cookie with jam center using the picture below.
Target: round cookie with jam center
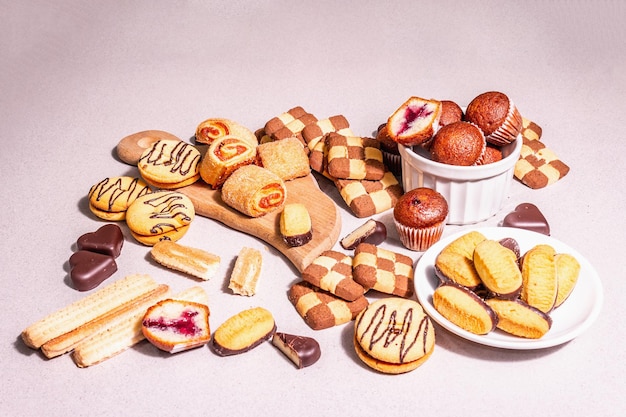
(160, 215)
(394, 335)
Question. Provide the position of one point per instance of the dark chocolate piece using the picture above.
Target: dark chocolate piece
(372, 231)
(510, 243)
(107, 240)
(89, 269)
(298, 240)
(301, 350)
(527, 216)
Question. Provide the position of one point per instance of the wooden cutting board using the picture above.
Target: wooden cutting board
(325, 218)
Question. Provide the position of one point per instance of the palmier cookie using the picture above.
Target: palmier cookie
(321, 309)
(160, 215)
(383, 270)
(243, 331)
(394, 335)
(170, 164)
(215, 128)
(109, 199)
(332, 272)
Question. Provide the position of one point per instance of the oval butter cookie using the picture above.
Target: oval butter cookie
(110, 198)
(160, 215)
(394, 335)
(244, 331)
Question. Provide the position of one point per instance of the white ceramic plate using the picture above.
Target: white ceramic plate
(569, 320)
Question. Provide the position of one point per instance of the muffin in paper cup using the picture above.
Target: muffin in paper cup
(508, 131)
(393, 162)
(420, 217)
(419, 239)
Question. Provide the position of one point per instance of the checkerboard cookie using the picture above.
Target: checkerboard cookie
(321, 309)
(314, 136)
(383, 270)
(353, 157)
(538, 166)
(366, 198)
(332, 272)
(280, 121)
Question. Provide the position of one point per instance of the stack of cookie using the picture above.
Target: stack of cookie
(333, 287)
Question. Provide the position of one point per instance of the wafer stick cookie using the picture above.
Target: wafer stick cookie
(354, 158)
(383, 270)
(280, 121)
(246, 273)
(321, 309)
(332, 271)
(537, 166)
(366, 198)
(68, 341)
(86, 309)
(123, 331)
(192, 261)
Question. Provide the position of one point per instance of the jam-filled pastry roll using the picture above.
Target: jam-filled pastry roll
(254, 191)
(224, 156)
(215, 128)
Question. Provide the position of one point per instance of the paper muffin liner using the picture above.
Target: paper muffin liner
(419, 239)
(393, 162)
(509, 130)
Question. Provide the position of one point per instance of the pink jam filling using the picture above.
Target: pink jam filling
(184, 325)
(411, 114)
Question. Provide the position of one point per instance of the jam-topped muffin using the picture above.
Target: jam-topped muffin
(459, 143)
(420, 216)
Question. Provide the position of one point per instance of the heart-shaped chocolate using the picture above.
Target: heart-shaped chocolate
(527, 216)
(88, 269)
(107, 240)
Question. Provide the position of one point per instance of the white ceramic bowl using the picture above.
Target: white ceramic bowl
(474, 193)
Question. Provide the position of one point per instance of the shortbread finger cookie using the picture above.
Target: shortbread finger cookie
(354, 158)
(295, 225)
(366, 198)
(244, 331)
(394, 335)
(518, 318)
(383, 270)
(498, 269)
(192, 261)
(176, 325)
(122, 332)
(170, 164)
(254, 191)
(70, 340)
(540, 283)
(160, 215)
(464, 308)
(86, 309)
(286, 158)
(246, 272)
(224, 156)
(280, 121)
(332, 272)
(216, 128)
(109, 199)
(321, 309)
